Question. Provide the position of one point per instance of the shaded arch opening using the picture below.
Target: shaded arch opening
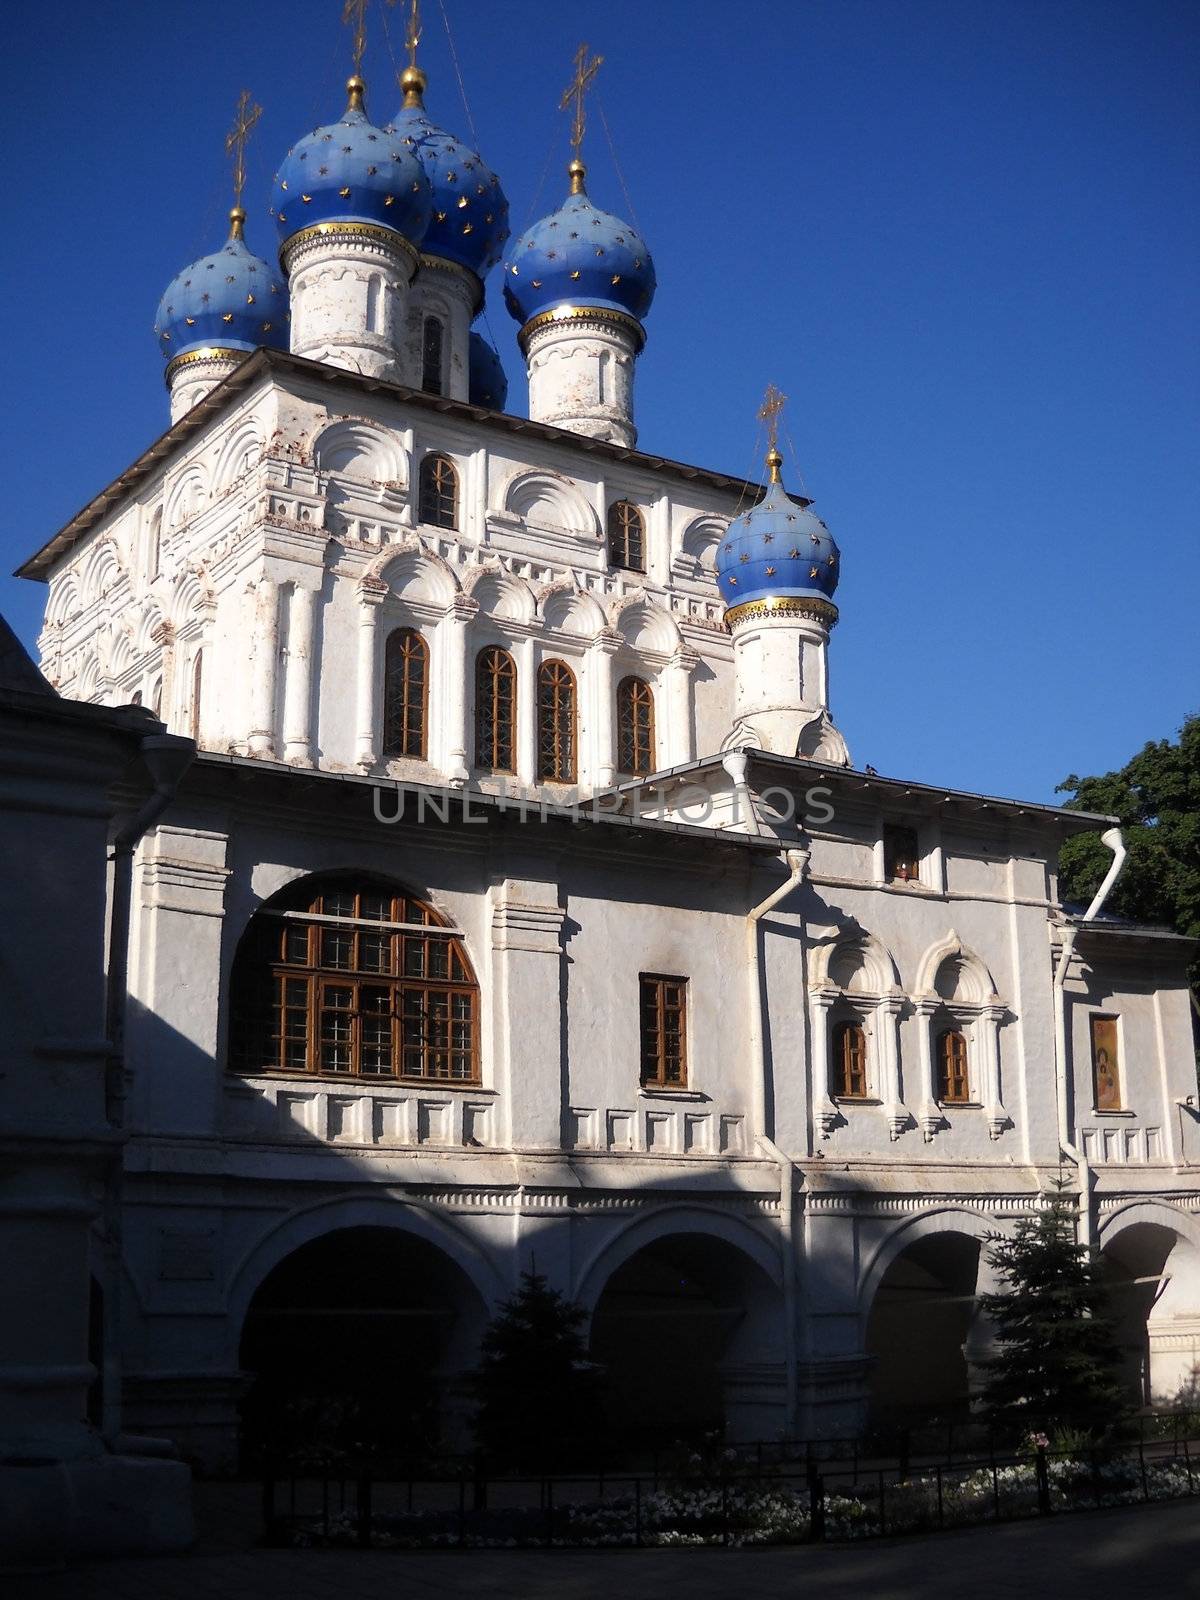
(918, 1331)
(1153, 1278)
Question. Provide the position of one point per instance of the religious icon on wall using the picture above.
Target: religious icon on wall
(1106, 1081)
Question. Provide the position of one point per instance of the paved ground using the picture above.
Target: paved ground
(1151, 1552)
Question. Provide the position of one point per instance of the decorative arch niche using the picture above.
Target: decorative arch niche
(546, 500)
(360, 450)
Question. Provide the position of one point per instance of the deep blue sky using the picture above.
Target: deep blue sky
(962, 235)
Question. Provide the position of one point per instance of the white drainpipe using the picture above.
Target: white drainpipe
(797, 862)
(1062, 1059)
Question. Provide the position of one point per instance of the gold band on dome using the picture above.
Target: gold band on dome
(212, 352)
(785, 606)
(560, 314)
(369, 232)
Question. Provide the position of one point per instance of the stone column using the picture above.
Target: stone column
(681, 722)
(604, 740)
(265, 658)
(929, 1119)
(526, 713)
(887, 1021)
(455, 631)
(370, 596)
(825, 1113)
(527, 931)
(990, 1019)
(297, 692)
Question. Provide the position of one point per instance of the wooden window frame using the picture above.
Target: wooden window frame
(842, 1071)
(557, 723)
(406, 701)
(437, 492)
(1106, 1026)
(293, 962)
(495, 710)
(662, 1000)
(626, 531)
(901, 864)
(952, 1062)
(433, 352)
(635, 728)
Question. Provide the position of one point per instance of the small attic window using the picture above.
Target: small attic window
(901, 855)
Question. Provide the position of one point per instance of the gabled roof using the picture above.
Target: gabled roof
(281, 363)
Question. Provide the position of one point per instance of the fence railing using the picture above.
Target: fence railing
(742, 1505)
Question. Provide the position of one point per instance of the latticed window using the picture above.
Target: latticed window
(635, 727)
(405, 694)
(556, 723)
(850, 1061)
(495, 710)
(432, 339)
(952, 1066)
(437, 492)
(664, 1030)
(351, 979)
(626, 536)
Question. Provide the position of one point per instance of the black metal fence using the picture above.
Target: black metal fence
(740, 1504)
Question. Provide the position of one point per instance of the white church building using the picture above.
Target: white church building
(523, 904)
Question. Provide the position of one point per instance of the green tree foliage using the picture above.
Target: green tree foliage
(1156, 799)
(540, 1401)
(1056, 1367)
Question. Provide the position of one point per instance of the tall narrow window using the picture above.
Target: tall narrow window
(374, 293)
(556, 723)
(156, 697)
(1106, 1066)
(437, 492)
(348, 977)
(626, 536)
(664, 1031)
(849, 1061)
(953, 1086)
(405, 694)
(432, 340)
(635, 727)
(197, 686)
(154, 544)
(901, 855)
(495, 710)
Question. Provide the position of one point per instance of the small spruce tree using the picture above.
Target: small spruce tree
(540, 1402)
(1056, 1370)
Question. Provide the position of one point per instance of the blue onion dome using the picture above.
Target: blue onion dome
(578, 256)
(487, 379)
(469, 224)
(352, 171)
(231, 300)
(778, 550)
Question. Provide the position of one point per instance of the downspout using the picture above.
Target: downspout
(1069, 1146)
(797, 863)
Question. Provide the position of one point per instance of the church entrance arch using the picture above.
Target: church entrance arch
(919, 1328)
(689, 1332)
(1152, 1272)
(359, 1341)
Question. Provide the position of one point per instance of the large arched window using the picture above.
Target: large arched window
(557, 762)
(635, 727)
(849, 1061)
(437, 492)
(432, 341)
(495, 710)
(405, 694)
(350, 978)
(626, 536)
(953, 1084)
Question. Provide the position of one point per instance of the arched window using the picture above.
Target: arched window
(626, 536)
(405, 694)
(156, 697)
(635, 727)
(437, 492)
(952, 1066)
(849, 1061)
(197, 685)
(432, 340)
(495, 710)
(556, 723)
(347, 977)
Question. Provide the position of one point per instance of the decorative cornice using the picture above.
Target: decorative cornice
(785, 606)
(471, 280)
(582, 316)
(367, 233)
(189, 358)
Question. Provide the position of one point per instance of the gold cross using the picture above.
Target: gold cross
(768, 412)
(235, 141)
(354, 14)
(413, 37)
(585, 71)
